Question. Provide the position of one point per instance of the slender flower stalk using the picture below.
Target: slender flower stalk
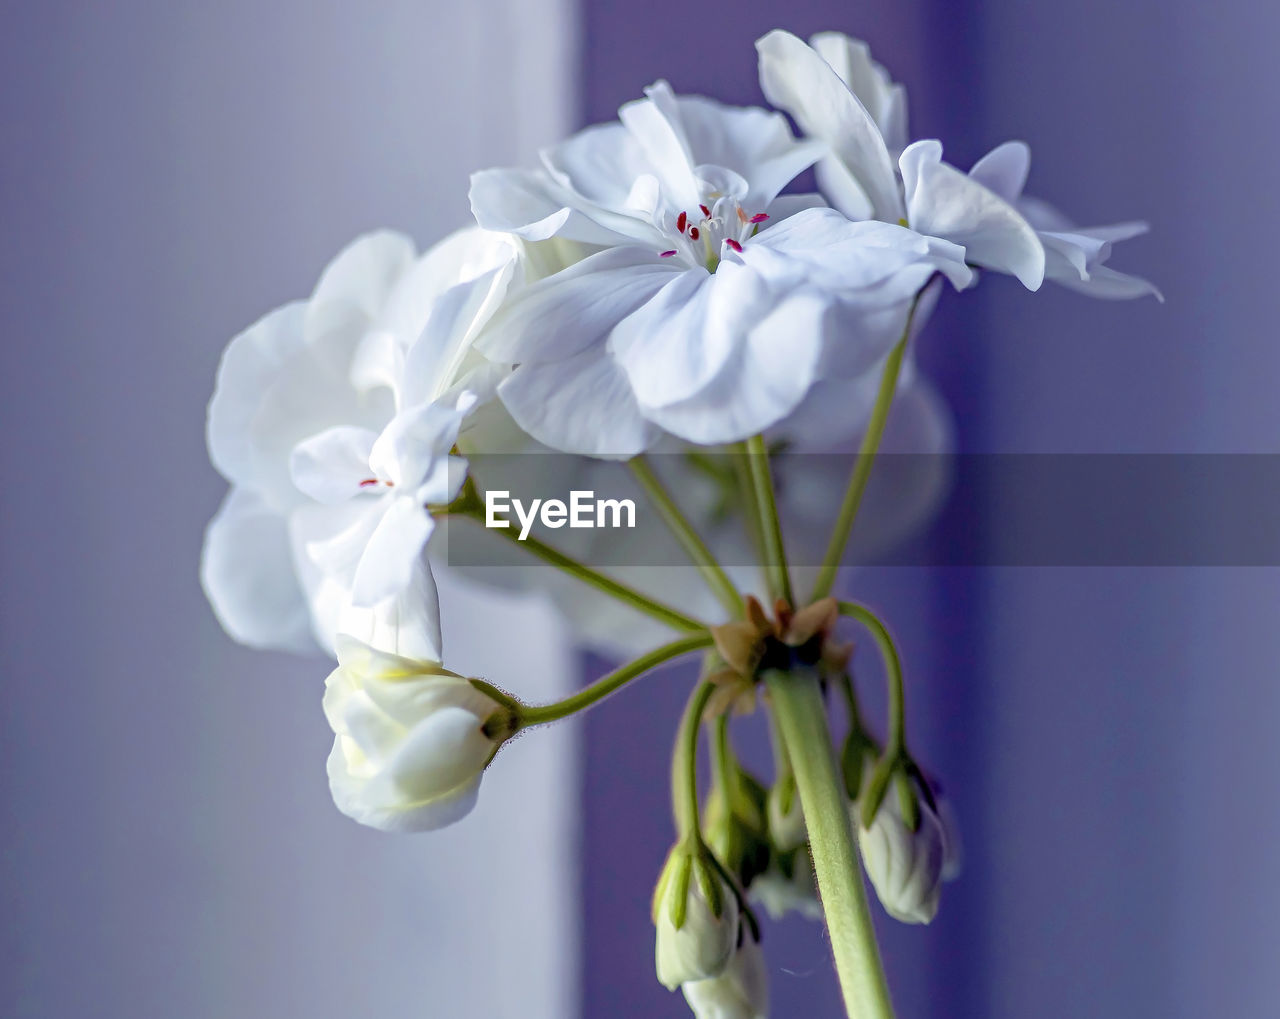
(591, 695)
(862, 466)
(684, 766)
(797, 702)
(770, 526)
(893, 673)
(674, 618)
(679, 525)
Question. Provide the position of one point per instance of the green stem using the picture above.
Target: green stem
(679, 525)
(602, 688)
(674, 618)
(684, 766)
(893, 673)
(770, 526)
(797, 700)
(862, 466)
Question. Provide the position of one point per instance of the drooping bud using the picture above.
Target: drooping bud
(695, 914)
(904, 851)
(786, 818)
(741, 991)
(788, 886)
(737, 833)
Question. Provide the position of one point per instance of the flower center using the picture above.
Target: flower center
(701, 237)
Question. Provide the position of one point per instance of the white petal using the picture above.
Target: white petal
(1004, 170)
(533, 205)
(406, 625)
(392, 554)
(796, 79)
(946, 203)
(349, 797)
(362, 276)
(437, 359)
(566, 313)
(246, 570)
(676, 343)
(334, 537)
(331, 466)
(249, 367)
(601, 163)
(582, 404)
(413, 443)
(763, 383)
(869, 81)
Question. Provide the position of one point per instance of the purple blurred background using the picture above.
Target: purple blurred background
(172, 170)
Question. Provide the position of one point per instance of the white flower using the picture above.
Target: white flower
(934, 198)
(711, 308)
(410, 746)
(905, 866)
(384, 331)
(740, 992)
(840, 96)
(695, 913)
(1075, 256)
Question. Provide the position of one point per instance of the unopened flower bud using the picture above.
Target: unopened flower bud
(695, 913)
(741, 991)
(904, 862)
(737, 835)
(786, 818)
(410, 740)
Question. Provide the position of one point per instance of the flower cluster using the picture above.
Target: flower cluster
(656, 284)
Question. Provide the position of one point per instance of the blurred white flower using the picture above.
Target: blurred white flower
(410, 746)
(741, 991)
(788, 885)
(712, 307)
(384, 331)
(695, 914)
(905, 866)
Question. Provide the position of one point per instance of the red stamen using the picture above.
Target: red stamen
(667, 254)
(681, 222)
(705, 211)
(759, 217)
(693, 233)
(734, 244)
(368, 481)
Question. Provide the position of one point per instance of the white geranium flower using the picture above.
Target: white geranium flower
(933, 198)
(383, 332)
(695, 914)
(410, 746)
(905, 866)
(1075, 256)
(840, 96)
(740, 992)
(713, 305)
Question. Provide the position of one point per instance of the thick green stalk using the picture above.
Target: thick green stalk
(602, 688)
(770, 526)
(797, 701)
(862, 466)
(674, 618)
(679, 525)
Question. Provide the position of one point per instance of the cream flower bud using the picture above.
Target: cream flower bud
(696, 916)
(786, 819)
(740, 992)
(410, 743)
(905, 866)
